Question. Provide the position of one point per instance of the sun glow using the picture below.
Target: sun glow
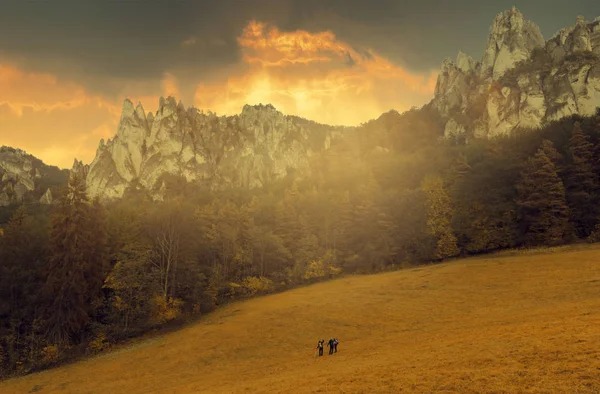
(316, 76)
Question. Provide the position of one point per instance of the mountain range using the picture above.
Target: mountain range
(521, 82)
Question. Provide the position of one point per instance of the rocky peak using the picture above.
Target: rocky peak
(579, 40)
(139, 111)
(17, 176)
(451, 84)
(46, 198)
(260, 110)
(245, 150)
(464, 62)
(79, 169)
(582, 37)
(522, 81)
(20, 175)
(166, 106)
(511, 39)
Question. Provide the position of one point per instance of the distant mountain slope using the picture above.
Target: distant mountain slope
(24, 177)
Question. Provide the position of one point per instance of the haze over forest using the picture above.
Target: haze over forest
(64, 76)
(348, 139)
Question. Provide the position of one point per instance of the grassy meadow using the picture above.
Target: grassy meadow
(510, 322)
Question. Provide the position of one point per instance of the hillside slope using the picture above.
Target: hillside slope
(506, 323)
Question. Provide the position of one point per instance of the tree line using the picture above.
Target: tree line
(85, 275)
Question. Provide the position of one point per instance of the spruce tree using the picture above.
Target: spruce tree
(549, 150)
(21, 259)
(542, 202)
(99, 255)
(582, 183)
(75, 266)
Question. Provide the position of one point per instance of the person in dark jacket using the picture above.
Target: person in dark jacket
(320, 346)
(330, 344)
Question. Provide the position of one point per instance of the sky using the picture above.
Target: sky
(67, 65)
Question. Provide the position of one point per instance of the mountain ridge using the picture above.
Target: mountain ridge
(246, 150)
(522, 80)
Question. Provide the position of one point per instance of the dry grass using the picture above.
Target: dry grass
(506, 323)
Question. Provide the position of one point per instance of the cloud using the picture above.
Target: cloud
(311, 74)
(188, 42)
(57, 120)
(314, 75)
(43, 92)
(51, 118)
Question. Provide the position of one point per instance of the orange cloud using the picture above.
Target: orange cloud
(50, 118)
(43, 92)
(58, 120)
(313, 75)
(316, 76)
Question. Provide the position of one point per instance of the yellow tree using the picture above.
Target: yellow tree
(439, 216)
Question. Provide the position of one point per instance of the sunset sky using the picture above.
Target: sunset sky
(67, 66)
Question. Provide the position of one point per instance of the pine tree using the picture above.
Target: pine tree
(75, 268)
(21, 259)
(582, 183)
(542, 202)
(99, 255)
(549, 150)
(439, 217)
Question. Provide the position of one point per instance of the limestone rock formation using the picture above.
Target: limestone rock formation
(511, 39)
(22, 175)
(246, 150)
(522, 81)
(17, 175)
(47, 198)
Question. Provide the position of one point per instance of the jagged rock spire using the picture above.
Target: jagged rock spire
(480, 99)
(511, 39)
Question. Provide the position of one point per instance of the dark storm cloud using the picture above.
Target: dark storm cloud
(419, 34)
(137, 40)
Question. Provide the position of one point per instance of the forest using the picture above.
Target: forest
(80, 276)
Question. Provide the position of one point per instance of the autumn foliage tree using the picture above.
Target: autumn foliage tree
(439, 217)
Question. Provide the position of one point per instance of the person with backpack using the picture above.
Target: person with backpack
(320, 346)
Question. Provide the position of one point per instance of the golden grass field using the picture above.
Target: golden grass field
(510, 322)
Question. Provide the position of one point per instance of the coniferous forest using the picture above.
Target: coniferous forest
(79, 276)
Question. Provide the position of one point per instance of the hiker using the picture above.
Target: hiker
(320, 347)
(330, 344)
(335, 343)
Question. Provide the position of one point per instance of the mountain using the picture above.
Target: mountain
(25, 178)
(246, 150)
(522, 81)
